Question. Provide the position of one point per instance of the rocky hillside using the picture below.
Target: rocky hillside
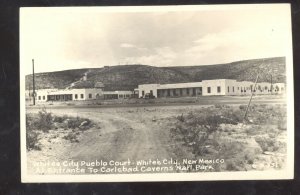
(128, 77)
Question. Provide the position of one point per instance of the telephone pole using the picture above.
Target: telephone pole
(33, 83)
(245, 116)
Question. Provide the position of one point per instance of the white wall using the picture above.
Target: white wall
(41, 94)
(232, 87)
(93, 92)
(146, 88)
(213, 84)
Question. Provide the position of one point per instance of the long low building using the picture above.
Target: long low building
(209, 88)
(44, 95)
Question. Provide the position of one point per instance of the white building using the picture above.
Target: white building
(117, 94)
(210, 88)
(44, 95)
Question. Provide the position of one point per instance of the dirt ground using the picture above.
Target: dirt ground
(135, 133)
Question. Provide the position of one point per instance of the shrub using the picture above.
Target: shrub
(44, 120)
(235, 165)
(281, 123)
(72, 137)
(75, 122)
(242, 107)
(180, 118)
(60, 119)
(196, 128)
(219, 106)
(32, 140)
(269, 144)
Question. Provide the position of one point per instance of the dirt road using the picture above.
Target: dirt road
(121, 134)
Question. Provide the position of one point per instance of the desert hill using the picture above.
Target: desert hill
(128, 77)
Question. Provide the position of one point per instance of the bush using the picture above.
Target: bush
(75, 122)
(242, 107)
(32, 140)
(45, 120)
(281, 123)
(219, 106)
(60, 119)
(269, 144)
(42, 121)
(72, 137)
(196, 128)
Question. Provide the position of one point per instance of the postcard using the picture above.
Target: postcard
(156, 93)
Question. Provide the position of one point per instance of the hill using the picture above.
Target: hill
(128, 77)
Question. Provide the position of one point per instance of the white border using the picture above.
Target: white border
(288, 173)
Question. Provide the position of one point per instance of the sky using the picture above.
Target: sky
(93, 37)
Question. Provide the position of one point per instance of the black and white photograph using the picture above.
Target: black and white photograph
(156, 93)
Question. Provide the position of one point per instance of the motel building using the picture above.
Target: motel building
(45, 95)
(217, 87)
(71, 94)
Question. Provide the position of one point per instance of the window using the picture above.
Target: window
(238, 88)
(90, 95)
(188, 91)
(208, 89)
(194, 91)
(43, 97)
(174, 92)
(228, 89)
(168, 91)
(81, 96)
(143, 93)
(219, 89)
(180, 91)
(151, 92)
(266, 88)
(232, 89)
(39, 97)
(76, 96)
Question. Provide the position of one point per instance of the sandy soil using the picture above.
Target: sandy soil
(135, 133)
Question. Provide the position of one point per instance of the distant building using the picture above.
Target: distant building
(209, 88)
(217, 87)
(71, 94)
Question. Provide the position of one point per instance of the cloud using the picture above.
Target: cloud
(230, 45)
(163, 56)
(127, 45)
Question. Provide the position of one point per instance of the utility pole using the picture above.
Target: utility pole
(33, 83)
(250, 98)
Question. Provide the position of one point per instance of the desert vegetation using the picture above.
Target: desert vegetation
(43, 124)
(220, 131)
